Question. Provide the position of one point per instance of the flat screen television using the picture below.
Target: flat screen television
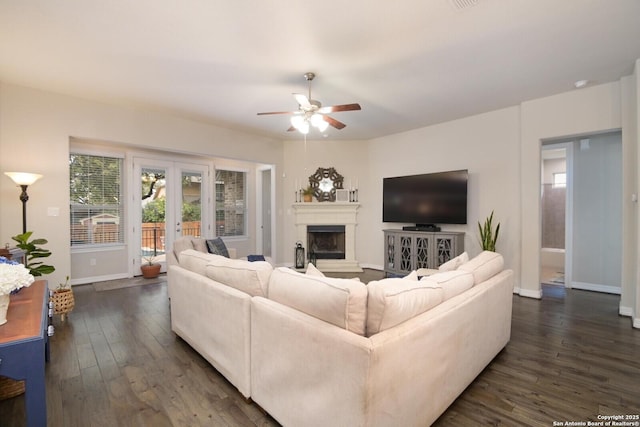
(434, 198)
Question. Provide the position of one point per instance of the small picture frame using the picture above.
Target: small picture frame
(342, 195)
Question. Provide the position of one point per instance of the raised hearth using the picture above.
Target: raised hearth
(330, 214)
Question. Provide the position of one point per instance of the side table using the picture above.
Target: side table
(24, 347)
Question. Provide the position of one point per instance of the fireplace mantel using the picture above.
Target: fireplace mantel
(330, 213)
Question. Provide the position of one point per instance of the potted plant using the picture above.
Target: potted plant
(488, 235)
(150, 269)
(33, 252)
(63, 300)
(307, 194)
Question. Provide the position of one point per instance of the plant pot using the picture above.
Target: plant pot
(63, 302)
(307, 197)
(150, 271)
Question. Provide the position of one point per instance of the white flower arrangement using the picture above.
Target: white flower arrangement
(13, 276)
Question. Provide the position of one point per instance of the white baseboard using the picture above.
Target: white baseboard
(85, 280)
(596, 287)
(625, 311)
(636, 322)
(529, 293)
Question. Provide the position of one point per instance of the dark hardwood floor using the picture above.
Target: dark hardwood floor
(115, 362)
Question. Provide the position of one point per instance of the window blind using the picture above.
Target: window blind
(96, 205)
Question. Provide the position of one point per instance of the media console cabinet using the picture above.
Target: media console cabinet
(406, 251)
(24, 347)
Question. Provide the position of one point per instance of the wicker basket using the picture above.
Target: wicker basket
(63, 302)
(10, 388)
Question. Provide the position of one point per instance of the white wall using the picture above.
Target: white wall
(35, 128)
(579, 112)
(486, 145)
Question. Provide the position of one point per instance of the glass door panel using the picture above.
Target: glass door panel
(153, 204)
(191, 206)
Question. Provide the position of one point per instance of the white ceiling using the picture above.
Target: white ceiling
(409, 63)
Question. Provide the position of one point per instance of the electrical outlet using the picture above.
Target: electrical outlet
(92, 261)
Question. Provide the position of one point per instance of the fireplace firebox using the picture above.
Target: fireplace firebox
(326, 241)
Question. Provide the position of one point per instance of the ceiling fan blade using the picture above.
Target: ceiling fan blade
(333, 122)
(338, 108)
(302, 100)
(278, 112)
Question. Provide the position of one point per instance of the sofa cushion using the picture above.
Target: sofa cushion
(246, 276)
(195, 261)
(393, 301)
(452, 282)
(454, 263)
(182, 244)
(200, 245)
(484, 266)
(341, 302)
(217, 246)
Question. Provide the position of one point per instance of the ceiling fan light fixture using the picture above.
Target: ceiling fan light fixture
(300, 123)
(317, 120)
(322, 126)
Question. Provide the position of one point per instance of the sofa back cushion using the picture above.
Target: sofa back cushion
(182, 244)
(452, 283)
(341, 302)
(195, 261)
(393, 301)
(484, 266)
(246, 276)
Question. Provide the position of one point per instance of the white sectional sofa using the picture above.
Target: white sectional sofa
(317, 351)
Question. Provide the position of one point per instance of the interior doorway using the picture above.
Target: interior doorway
(555, 191)
(591, 193)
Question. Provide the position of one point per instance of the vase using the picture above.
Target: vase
(4, 306)
(150, 271)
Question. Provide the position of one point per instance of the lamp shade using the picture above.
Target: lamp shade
(23, 178)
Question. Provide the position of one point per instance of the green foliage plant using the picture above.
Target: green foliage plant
(34, 252)
(488, 235)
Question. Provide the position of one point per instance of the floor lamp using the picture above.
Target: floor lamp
(23, 180)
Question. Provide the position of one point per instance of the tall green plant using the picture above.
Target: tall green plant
(488, 236)
(33, 252)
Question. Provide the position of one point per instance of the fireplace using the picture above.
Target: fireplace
(326, 241)
(329, 229)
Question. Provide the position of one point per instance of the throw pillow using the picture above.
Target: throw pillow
(312, 270)
(217, 246)
(411, 276)
(253, 258)
(454, 263)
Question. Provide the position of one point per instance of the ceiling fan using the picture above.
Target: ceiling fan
(312, 113)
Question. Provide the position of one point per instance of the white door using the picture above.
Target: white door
(173, 200)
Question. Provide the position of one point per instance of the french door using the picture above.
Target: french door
(172, 200)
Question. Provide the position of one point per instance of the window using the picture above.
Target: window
(559, 180)
(231, 203)
(96, 205)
